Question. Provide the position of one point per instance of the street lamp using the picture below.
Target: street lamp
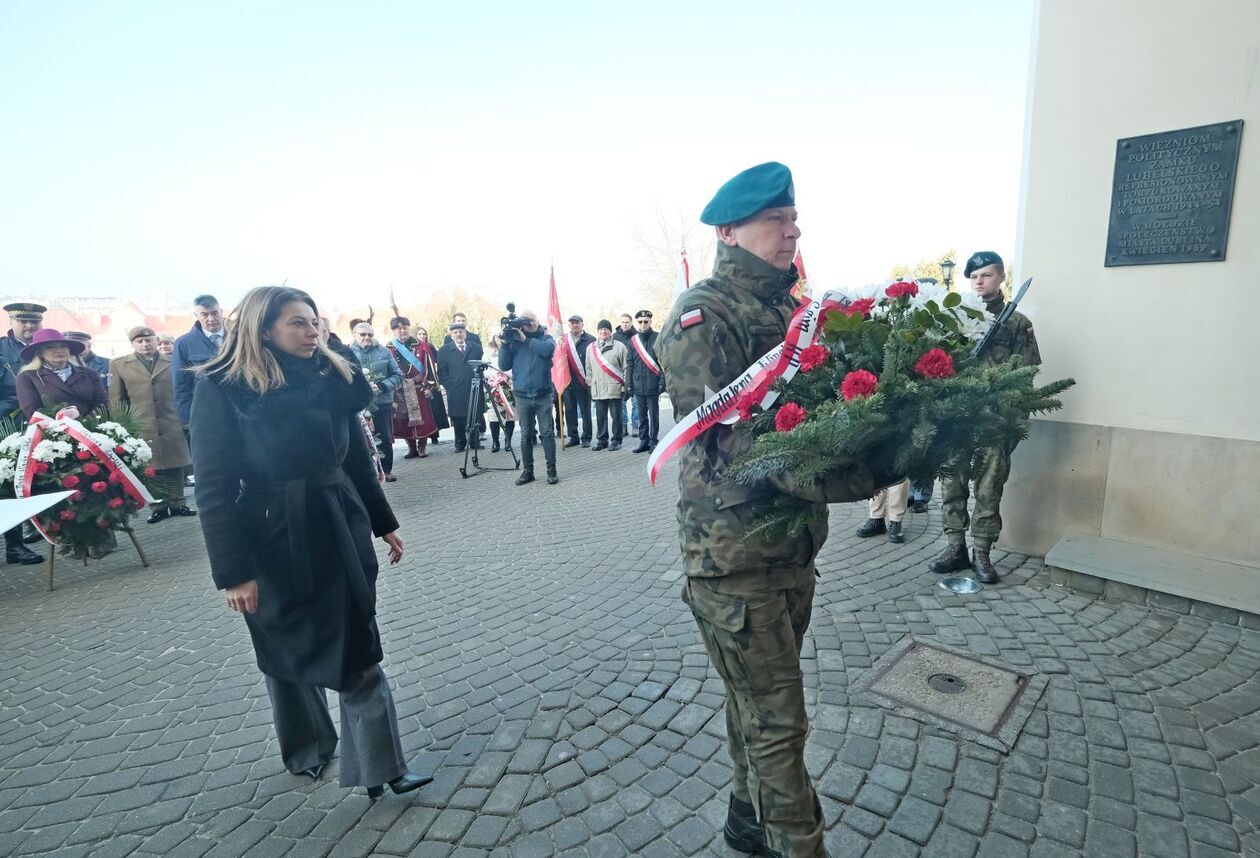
(947, 268)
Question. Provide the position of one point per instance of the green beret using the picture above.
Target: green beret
(981, 259)
(765, 186)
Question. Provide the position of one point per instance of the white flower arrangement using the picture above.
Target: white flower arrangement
(50, 451)
(10, 445)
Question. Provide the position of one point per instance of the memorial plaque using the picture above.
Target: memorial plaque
(1171, 196)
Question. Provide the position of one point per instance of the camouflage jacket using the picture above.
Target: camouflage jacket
(1015, 337)
(744, 311)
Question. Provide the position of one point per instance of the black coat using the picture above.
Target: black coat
(288, 496)
(641, 381)
(456, 376)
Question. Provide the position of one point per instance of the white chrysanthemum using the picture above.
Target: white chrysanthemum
(7, 469)
(50, 451)
(11, 444)
(115, 429)
(142, 453)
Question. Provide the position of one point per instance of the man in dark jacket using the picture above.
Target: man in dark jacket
(25, 318)
(528, 355)
(456, 376)
(645, 381)
(629, 407)
(471, 337)
(90, 359)
(194, 348)
(577, 396)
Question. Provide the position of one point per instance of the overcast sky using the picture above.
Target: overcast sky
(159, 150)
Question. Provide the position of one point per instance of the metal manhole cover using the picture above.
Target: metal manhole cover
(955, 689)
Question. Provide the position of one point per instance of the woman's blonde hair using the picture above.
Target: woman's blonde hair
(245, 357)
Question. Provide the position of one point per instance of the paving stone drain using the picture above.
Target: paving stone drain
(954, 689)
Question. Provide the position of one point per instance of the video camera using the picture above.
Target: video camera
(511, 326)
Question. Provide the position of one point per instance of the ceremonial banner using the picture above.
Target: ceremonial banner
(560, 375)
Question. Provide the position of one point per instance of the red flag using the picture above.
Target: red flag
(555, 322)
(799, 290)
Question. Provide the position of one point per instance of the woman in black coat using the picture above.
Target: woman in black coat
(289, 502)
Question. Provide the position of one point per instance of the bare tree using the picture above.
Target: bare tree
(660, 248)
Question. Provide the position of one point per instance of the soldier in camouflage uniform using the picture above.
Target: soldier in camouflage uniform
(751, 596)
(990, 471)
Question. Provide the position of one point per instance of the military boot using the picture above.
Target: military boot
(985, 573)
(743, 832)
(951, 559)
(527, 476)
(552, 479)
(871, 527)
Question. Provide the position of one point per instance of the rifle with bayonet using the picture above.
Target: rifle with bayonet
(1000, 319)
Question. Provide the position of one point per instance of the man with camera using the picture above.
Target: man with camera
(527, 351)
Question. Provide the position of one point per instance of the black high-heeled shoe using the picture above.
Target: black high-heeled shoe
(406, 782)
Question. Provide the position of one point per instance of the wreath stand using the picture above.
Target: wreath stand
(52, 556)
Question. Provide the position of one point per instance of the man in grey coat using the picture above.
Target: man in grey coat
(383, 375)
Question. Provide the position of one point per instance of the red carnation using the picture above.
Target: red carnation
(789, 416)
(901, 288)
(53, 527)
(814, 357)
(76, 497)
(935, 363)
(83, 455)
(744, 404)
(150, 471)
(116, 477)
(67, 515)
(69, 482)
(91, 469)
(858, 383)
(99, 486)
(859, 308)
(114, 503)
(102, 523)
(120, 450)
(40, 467)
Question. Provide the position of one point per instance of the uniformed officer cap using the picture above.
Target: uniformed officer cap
(604, 325)
(27, 311)
(765, 186)
(643, 314)
(980, 259)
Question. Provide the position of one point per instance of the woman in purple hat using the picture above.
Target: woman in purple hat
(51, 379)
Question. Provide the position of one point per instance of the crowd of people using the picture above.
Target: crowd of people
(271, 412)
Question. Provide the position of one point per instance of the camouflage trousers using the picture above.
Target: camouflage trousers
(989, 474)
(753, 626)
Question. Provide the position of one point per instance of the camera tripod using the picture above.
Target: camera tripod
(478, 396)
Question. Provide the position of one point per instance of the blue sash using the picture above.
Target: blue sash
(410, 357)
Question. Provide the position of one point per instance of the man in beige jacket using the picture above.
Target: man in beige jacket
(606, 376)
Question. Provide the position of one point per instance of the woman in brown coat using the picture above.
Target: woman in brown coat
(142, 382)
(51, 380)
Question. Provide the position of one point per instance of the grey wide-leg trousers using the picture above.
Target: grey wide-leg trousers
(371, 753)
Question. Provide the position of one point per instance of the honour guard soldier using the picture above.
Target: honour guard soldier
(751, 594)
(989, 472)
(645, 381)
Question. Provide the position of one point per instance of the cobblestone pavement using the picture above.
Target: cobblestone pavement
(556, 685)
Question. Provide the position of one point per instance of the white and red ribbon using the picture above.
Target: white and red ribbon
(782, 361)
(498, 383)
(64, 422)
(645, 356)
(574, 361)
(598, 357)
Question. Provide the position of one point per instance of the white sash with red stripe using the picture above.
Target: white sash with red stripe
(597, 355)
(642, 352)
(575, 361)
(782, 361)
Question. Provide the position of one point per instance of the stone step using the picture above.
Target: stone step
(1232, 586)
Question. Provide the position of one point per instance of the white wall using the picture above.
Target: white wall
(1168, 348)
